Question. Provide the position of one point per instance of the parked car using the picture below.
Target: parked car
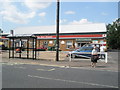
(42, 48)
(84, 51)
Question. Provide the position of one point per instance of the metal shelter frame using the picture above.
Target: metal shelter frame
(28, 38)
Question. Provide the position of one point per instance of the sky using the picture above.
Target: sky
(27, 13)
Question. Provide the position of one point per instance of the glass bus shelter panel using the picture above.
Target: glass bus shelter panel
(22, 47)
(17, 45)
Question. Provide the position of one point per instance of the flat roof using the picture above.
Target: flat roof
(83, 28)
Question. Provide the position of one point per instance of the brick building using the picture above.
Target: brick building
(71, 36)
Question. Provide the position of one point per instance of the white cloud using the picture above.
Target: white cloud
(69, 12)
(104, 14)
(42, 14)
(17, 17)
(115, 19)
(63, 21)
(82, 21)
(36, 4)
(13, 14)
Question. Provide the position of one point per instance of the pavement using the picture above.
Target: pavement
(76, 63)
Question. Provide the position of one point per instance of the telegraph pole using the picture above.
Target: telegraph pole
(57, 33)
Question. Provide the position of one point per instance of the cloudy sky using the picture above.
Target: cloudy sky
(35, 13)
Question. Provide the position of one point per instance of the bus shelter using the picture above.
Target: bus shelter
(22, 46)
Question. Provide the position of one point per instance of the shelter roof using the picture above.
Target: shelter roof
(22, 36)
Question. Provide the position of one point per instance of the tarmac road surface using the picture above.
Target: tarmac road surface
(37, 76)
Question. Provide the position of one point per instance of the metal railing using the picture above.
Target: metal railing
(72, 56)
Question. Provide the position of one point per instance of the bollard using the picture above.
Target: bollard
(106, 60)
(70, 59)
(73, 56)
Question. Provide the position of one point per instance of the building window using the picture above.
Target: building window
(68, 44)
(95, 41)
(45, 43)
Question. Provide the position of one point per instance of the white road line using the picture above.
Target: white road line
(86, 68)
(96, 69)
(46, 70)
(94, 84)
(20, 67)
(51, 65)
(7, 64)
(93, 69)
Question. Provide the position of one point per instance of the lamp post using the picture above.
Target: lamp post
(57, 33)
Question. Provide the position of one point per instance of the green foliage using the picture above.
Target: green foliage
(113, 34)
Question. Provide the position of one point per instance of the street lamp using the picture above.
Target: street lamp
(57, 32)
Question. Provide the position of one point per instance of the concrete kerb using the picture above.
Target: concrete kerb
(68, 66)
(62, 64)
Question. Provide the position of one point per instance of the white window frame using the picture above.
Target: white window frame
(69, 44)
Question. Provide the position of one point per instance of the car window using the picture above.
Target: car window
(86, 48)
(82, 48)
(78, 50)
(89, 48)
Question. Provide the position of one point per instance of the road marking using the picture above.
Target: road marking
(94, 84)
(78, 67)
(86, 68)
(9, 64)
(20, 67)
(93, 69)
(51, 65)
(46, 70)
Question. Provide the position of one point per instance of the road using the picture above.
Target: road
(37, 76)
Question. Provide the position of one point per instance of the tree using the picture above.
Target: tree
(113, 35)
